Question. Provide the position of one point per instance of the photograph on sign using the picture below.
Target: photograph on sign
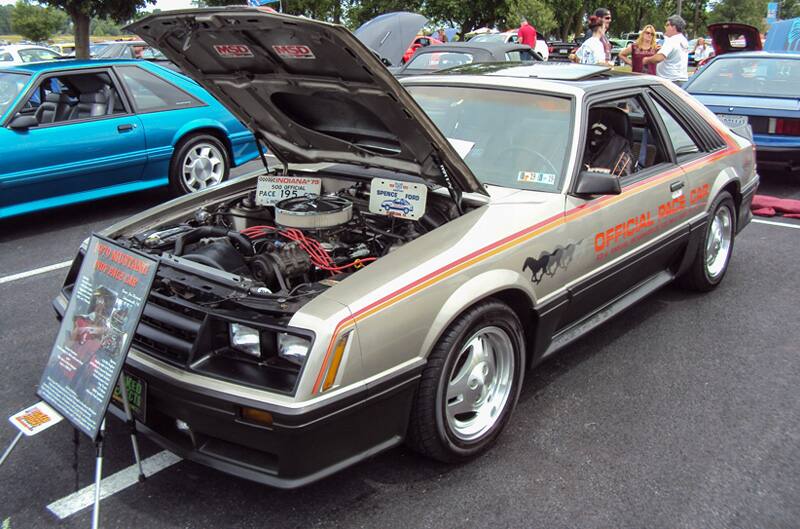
(272, 189)
(96, 333)
(395, 198)
(35, 419)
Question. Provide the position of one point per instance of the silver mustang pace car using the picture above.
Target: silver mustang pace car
(418, 249)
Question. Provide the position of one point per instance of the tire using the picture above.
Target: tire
(711, 260)
(199, 161)
(437, 432)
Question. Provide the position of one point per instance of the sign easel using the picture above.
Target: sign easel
(86, 361)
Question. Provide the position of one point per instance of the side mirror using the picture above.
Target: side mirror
(594, 183)
(23, 122)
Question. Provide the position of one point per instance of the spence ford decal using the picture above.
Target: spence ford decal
(395, 198)
(549, 263)
(233, 51)
(293, 51)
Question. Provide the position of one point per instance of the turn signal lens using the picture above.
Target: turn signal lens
(338, 353)
(257, 416)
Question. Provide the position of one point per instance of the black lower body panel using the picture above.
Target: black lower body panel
(292, 452)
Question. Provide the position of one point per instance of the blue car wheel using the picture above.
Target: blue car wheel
(200, 161)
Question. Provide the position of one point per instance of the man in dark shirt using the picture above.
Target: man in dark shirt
(527, 34)
(605, 14)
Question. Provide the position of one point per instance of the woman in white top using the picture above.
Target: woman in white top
(592, 50)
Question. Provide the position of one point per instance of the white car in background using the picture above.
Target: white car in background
(14, 54)
(510, 37)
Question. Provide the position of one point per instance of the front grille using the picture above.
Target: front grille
(169, 328)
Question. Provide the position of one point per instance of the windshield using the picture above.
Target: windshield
(749, 76)
(10, 86)
(495, 37)
(528, 151)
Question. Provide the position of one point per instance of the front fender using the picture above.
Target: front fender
(471, 292)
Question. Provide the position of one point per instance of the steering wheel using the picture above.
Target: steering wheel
(508, 150)
(7, 92)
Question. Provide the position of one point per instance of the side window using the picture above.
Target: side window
(6, 57)
(73, 97)
(682, 143)
(36, 55)
(621, 138)
(519, 55)
(151, 93)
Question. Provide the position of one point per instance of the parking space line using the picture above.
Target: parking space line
(34, 272)
(77, 501)
(773, 223)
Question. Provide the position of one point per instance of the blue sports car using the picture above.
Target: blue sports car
(761, 89)
(80, 130)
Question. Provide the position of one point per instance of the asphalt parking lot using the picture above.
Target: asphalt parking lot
(683, 412)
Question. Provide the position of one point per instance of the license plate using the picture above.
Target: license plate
(733, 121)
(137, 396)
(272, 189)
(563, 51)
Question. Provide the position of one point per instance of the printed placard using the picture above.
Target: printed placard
(96, 333)
(272, 189)
(394, 198)
(462, 147)
(233, 51)
(293, 51)
(35, 419)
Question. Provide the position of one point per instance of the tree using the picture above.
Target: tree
(743, 11)
(5, 19)
(35, 23)
(82, 11)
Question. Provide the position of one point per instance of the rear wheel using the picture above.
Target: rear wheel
(200, 161)
(713, 255)
(470, 384)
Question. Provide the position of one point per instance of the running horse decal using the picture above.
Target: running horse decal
(549, 263)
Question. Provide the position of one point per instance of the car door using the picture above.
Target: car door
(626, 240)
(88, 151)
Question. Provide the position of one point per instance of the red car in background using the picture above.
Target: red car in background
(421, 41)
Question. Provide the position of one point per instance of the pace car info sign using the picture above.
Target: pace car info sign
(96, 333)
(272, 189)
(396, 198)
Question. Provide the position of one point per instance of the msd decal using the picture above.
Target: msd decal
(293, 51)
(232, 51)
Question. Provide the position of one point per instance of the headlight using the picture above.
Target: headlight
(245, 339)
(293, 348)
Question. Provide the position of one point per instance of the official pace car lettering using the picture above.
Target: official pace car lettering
(272, 189)
(623, 235)
(293, 51)
(507, 243)
(233, 51)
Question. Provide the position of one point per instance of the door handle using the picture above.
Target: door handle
(126, 127)
(674, 186)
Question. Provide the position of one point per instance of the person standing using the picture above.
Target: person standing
(672, 60)
(605, 15)
(645, 46)
(441, 35)
(592, 50)
(527, 33)
(702, 51)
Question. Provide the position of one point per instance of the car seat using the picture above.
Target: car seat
(91, 104)
(608, 142)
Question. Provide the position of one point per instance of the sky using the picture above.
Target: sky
(163, 5)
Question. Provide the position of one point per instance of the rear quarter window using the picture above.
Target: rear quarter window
(439, 60)
(150, 93)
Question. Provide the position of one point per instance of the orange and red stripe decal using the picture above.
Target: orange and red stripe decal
(502, 245)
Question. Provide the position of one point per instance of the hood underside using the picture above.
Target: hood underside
(311, 91)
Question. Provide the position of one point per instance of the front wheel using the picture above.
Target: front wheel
(713, 255)
(200, 161)
(470, 385)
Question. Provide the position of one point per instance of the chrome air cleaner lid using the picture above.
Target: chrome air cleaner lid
(313, 212)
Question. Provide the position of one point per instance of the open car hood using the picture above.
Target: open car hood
(311, 91)
(731, 37)
(390, 34)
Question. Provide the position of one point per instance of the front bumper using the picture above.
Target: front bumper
(301, 445)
